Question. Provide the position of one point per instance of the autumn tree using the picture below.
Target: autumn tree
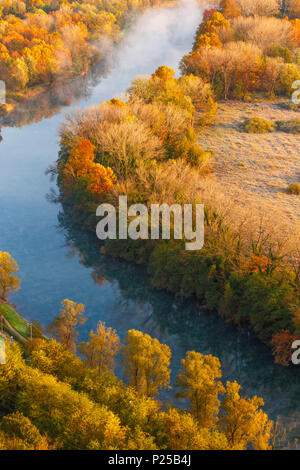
(181, 431)
(199, 382)
(207, 32)
(101, 179)
(146, 363)
(81, 163)
(164, 73)
(282, 347)
(67, 416)
(242, 420)
(293, 8)
(230, 8)
(20, 433)
(265, 32)
(208, 13)
(235, 63)
(102, 348)
(92, 411)
(258, 7)
(8, 279)
(162, 87)
(65, 324)
(126, 145)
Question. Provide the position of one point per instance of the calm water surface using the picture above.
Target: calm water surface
(56, 264)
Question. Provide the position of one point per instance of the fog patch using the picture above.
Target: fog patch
(159, 37)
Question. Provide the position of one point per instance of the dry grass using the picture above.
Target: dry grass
(255, 170)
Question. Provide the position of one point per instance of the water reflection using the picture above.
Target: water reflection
(51, 101)
(183, 326)
(113, 291)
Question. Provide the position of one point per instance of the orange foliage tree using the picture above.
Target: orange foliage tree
(81, 163)
(282, 347)
(230, 8)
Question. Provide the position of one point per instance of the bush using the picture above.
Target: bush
(294, 188)
(283, 52)
(289, 105)
(291, 127)
(257, 125)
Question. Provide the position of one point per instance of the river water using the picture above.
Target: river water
(58, 263)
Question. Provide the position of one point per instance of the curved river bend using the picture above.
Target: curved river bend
(56, 264)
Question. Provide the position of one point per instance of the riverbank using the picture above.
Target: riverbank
(242, 272)
(18, 97)
(248, 269)
(115, 292)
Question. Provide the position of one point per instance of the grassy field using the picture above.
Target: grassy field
(255, 169)
(15, 319)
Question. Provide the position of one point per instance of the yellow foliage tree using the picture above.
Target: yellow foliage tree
(102, 348)
(230, 8)
(64, 325)
(198, 380)
(182, 432)
(65, 415)
(21, 434)
(242, 420)
(76, 408)
(8, 280)
(146, 363)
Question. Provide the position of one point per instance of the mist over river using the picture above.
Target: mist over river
(56, 263)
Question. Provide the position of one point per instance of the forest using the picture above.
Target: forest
(53, 399)
(109, 392)
(247, 47)
(146, 148)
(43, 41)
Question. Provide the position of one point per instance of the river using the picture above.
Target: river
(58, 263)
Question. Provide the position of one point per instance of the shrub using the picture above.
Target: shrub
(257, 125)
(283, 52)
(262, 31)
(197, 156)
(258, 7)
(290, 106)
(291, 127)
(294, 188)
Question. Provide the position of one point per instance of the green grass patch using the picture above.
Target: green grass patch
(15, 319)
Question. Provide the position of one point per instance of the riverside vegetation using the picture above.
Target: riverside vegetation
(51, 399)
(49, 40)
(146, 148)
